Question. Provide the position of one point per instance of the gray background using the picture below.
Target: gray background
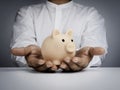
(109, 9)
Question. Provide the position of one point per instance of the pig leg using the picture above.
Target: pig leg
(56, 62)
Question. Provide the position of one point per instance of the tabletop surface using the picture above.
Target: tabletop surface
(88, 79)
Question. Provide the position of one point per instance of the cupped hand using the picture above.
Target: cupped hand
(34, 58)
(81, 59)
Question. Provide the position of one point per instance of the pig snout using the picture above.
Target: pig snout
(70, 47)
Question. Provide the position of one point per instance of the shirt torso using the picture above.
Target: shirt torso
(49, 16)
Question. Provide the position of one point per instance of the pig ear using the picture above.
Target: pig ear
(55, 32)
(69, 33)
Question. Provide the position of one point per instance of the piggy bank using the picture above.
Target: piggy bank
(57, 46)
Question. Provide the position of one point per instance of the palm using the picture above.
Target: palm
(34, 58)
(82, 58)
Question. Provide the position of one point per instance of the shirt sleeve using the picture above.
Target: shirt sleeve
(23, 32)
(94, 34)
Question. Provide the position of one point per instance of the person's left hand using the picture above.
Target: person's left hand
(81, 59)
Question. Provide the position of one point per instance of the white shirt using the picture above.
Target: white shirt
(34, 23)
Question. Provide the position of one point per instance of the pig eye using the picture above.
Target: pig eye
(71, 40)
(63, 40)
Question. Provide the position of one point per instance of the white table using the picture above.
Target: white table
(89, 79)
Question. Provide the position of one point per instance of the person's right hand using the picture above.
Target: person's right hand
(34, 58)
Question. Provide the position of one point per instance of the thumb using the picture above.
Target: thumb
(83, 51)
(23, 51)
(96, 51)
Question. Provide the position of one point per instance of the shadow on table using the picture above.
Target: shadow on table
(54, 72)
(31, 70)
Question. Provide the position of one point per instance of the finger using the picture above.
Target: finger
(71, 64)
(23, 51)
(20, 51)
(41, 62)
(75, 59)
(83, 51)
(54, 68)
(81, 62)
(41, 68)
(49, 64)
(34, 62)
(64, 67)
(97, 51)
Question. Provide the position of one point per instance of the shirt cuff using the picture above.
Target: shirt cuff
(95, 62)
(19, 61)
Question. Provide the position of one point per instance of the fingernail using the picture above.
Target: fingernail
(41, 62)
(67, 59)
(63, 66)
(75, 60)
(54, 68)
(49, 64)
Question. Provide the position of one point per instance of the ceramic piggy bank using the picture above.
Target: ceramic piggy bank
(57, 46)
